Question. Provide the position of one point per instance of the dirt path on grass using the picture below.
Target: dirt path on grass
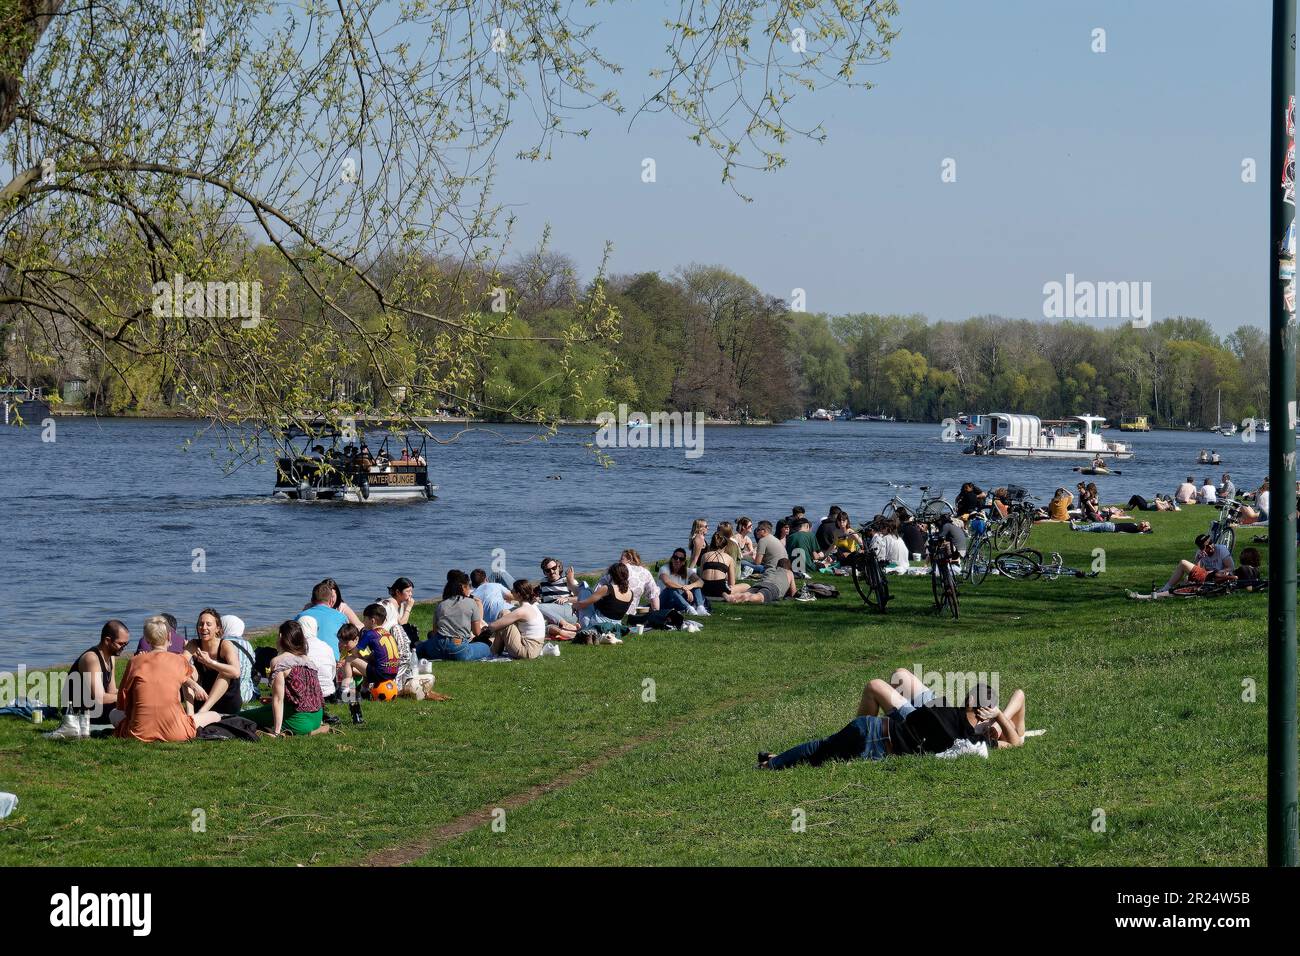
(409, 853)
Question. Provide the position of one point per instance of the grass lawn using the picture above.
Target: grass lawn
(1142, 702)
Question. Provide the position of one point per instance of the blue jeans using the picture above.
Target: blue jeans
(749, 567)
(901, 712)
(504, 578)
(1101, 527)
(860, 740)
(445, 649)
(679, 599)
(589, 616)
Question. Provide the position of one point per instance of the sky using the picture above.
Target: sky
(1117, 166)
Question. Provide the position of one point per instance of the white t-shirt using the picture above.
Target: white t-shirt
(1207, 495)
(1261, 501)
(895, 550)
(1219, 561)
(641, 582)
(322, 658)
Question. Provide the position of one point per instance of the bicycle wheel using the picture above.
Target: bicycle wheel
(1001, 535)
(1024, 525)
(935, 509)
(978, 561)
(1021, 565)
(867, 587)
(936, 584)
(949, 602)
(890, 509)
(1228, 537)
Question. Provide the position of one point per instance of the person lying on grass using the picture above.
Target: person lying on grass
(775, 584)
(1112, 527)
(915, 724)
(296, 705)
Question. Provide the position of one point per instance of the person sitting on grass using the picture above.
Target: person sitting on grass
(718, 571)
(216, 662)
(1112, 527)
(679, 588)
(611, 599)
(322, 657)
(297, 706)
(328, 618)
(352, 666)
(970, 499)
(457, 624)
(951, 530)
(378, 647)
(1212, 562)
(744, 540)
(1258, 512)
(802, 548)
(1206, 495)
(886, 544)
(776, 584)
(825, 533)
(1186, 493)
(641, 580)
(557, 590)
(912, 532)
(90, 690)
(1058, 509)
(175, 643)
(1248, 573)
(1227, 490)
(908, 728)
(521, 633)
(149, 704)
(400, 602)
(847, 540)
(698, 542)
(770, 551)
(495, 597)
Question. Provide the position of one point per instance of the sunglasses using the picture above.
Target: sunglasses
(552, 570)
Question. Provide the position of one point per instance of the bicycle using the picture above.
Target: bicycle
(870, 579)
(980, 554)
(1027, 564)
(930, 508)
(1223, 529)
(1011, 533)
(943, 580)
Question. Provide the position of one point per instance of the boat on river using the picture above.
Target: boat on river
(347, 470)
(1028, 436)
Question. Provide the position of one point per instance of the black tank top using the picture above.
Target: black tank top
(611, 607)
(230, 701)
(87, 700)
(718, 587)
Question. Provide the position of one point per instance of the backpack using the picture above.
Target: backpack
(665, 619)
(823, 590)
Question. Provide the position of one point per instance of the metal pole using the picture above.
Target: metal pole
(1282, 738)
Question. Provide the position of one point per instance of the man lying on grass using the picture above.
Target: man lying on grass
(917, 723)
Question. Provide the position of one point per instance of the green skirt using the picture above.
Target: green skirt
(301, 723)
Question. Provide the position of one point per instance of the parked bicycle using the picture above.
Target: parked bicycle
(943, 575)
(931, 507)
(980, 551)
(1027, 564)
(868, 576)
(1012, 532)
(1223, 529)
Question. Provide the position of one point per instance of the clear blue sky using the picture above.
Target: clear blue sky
(1124, 165)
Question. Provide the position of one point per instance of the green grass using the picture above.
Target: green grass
(1142, 702)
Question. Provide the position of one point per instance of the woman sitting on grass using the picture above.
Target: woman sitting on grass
(457, 623)
(718, 571)
(610, 602)
(679, 588)
(149, 701)
(697, 542)
(216, 661)
(847, 540)
(296, 706)
(521, 632)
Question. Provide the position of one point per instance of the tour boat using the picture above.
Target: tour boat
(1028, 436)
(347, 471)
(821, 415)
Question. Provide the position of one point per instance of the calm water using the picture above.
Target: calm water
(103, 522)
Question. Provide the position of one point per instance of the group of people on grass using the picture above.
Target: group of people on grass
(174, 687)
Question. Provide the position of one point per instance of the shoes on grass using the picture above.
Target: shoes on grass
(74, 727)
(804, 595)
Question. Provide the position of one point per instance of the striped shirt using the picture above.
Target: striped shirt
(552, 591)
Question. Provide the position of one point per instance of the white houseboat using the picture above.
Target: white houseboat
(1027, 436)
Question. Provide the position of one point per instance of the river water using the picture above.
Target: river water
(105, 520)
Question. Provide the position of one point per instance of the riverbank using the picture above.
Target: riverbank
(643, 753)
